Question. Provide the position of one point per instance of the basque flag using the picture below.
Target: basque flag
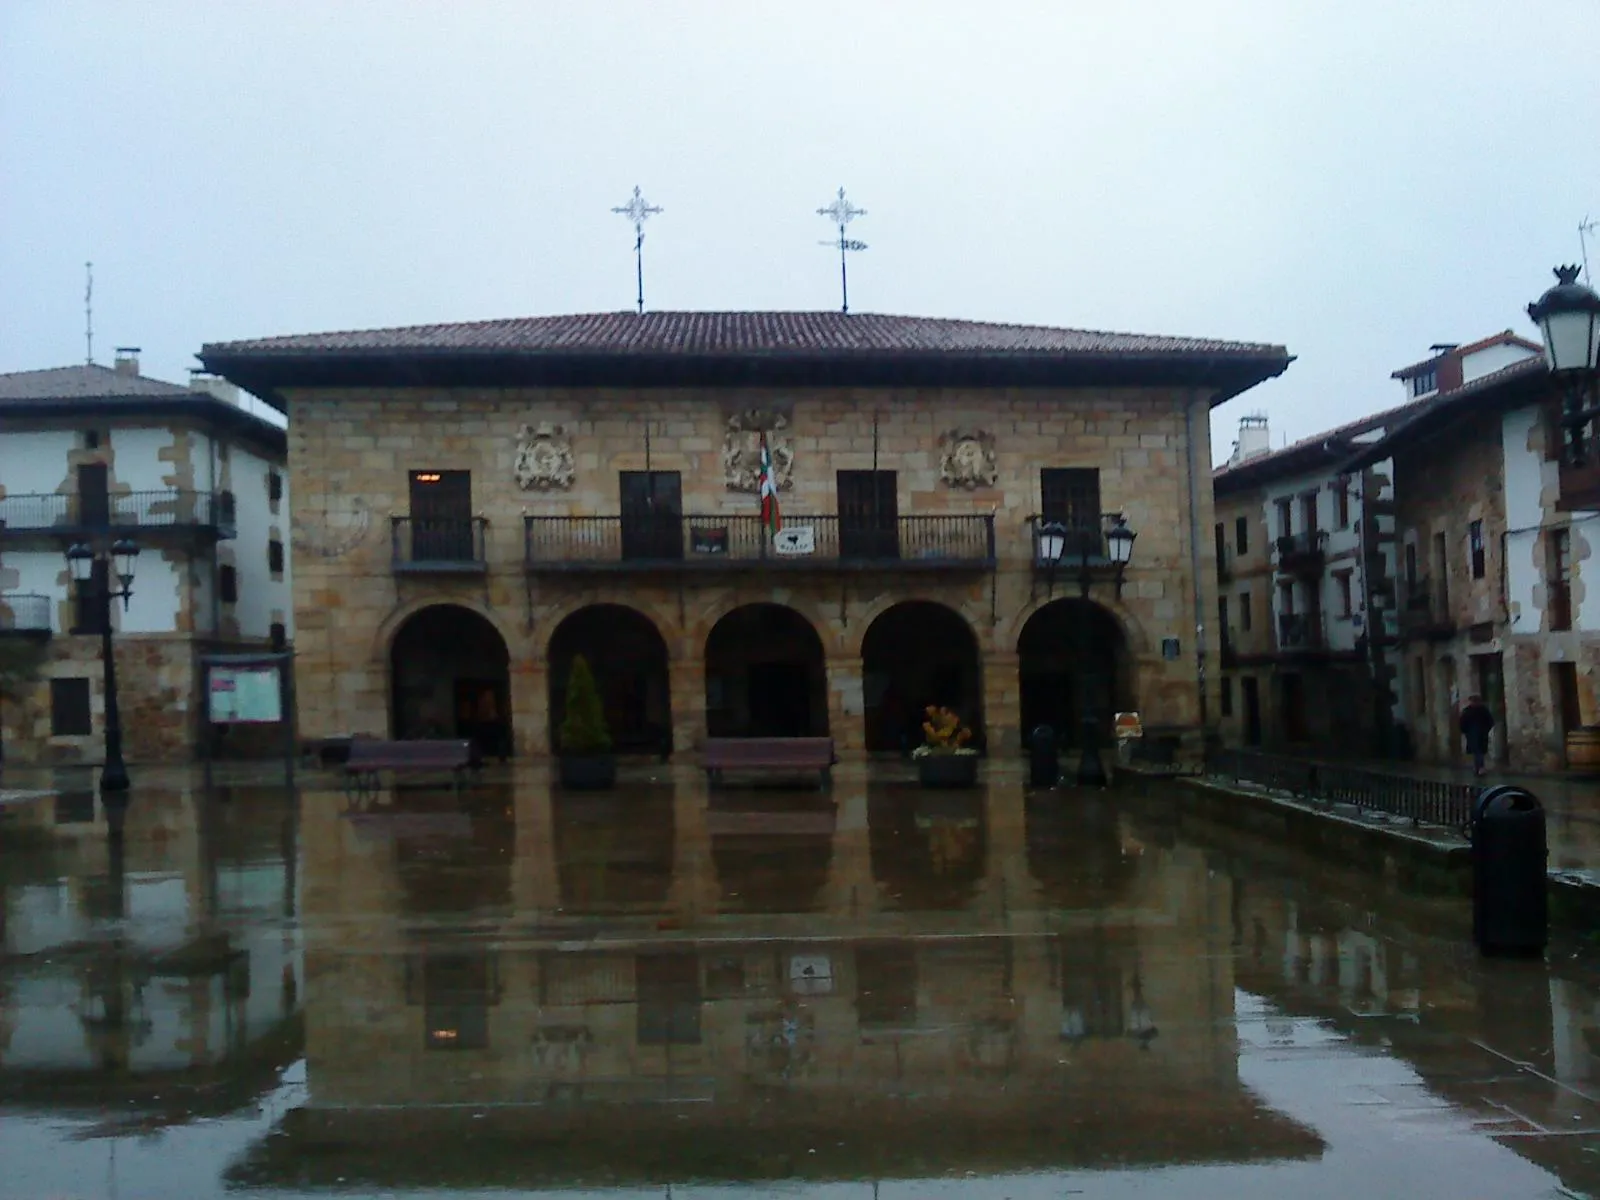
(767, 490)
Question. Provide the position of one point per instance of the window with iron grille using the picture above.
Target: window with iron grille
(1241, 535)
(69, 708)
(275, 556)
(1070, 496)
(274, 486)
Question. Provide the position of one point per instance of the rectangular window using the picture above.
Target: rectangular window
(275, 556)
(1341, 504)
(1241, 535)
(1441, 572)
(89, 601)
(278, 635)
(652, 515)
(1424, 383)
(1070, 496)
(1558, 583)
(228, 584)
(227, 507)
(1341, 580)
(441, 516)
(91, 439)
(1285, 509)
(94, 495)
(1286, 600)
(1308, 512)
(1227, 696)
(1244, 611)
(1475, 546)
(1222, 616)
(69, 708)
(274, 486)
(1221, 532)
(869, 525)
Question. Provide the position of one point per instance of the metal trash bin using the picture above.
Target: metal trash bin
(1510, 906)
(1044, 760)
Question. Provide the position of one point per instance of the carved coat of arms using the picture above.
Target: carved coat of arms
(544, 458)
(966, 459)
(741, 449)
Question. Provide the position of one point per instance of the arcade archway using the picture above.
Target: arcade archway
(916, 654)
(1073, 660)
(450, 677)
(765, 675)
(628, 656)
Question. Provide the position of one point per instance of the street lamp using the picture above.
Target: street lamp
(1568, 317)
(1119, 548)
(81, 560)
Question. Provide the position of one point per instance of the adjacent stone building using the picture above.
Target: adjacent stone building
(476, 505)
(196, 480)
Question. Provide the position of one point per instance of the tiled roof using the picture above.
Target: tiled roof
(737, 334)
(84, 383)
(1504, 337)
(1263, 464)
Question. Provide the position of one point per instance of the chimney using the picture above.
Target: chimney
(1255, 439)
(127, 361)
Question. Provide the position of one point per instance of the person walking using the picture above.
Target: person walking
(1476, 722)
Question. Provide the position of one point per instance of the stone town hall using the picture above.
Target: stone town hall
(476, 504)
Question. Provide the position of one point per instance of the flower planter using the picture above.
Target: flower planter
(948, 770)
(588, 773)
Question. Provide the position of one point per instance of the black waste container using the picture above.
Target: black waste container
(1509, 903)
(1044, 760)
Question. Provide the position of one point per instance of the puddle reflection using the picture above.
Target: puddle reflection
(510, 987)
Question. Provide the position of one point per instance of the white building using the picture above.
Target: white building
(196, 479)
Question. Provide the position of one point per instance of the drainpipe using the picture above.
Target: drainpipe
(1194, 567)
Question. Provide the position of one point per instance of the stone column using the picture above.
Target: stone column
(1002, 703)
(846, 707)
(687, 688)
(530, 713)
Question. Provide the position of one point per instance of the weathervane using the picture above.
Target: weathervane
(842, 212)
(638, 211)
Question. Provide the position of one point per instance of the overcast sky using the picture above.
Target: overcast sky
(1355, 180)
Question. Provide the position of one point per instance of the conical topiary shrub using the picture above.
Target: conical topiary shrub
(583, 731)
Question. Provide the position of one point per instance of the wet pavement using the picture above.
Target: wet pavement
(874, 991)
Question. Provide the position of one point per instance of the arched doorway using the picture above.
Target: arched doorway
(916, 654)
(765, 675)
(1072, 660)
(450, 677)
(629, 659)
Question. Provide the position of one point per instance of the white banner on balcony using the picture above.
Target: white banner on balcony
(795, 539)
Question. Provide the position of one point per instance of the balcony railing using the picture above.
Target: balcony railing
(1299, 632)
(25, 613)
(1424, 614)
(439, 545)
(696, 542)
(69, 514)
(1302, 552)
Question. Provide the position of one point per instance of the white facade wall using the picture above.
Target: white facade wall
(159, 584)
(1342, 548)
(1526, 476)
(137, 464)
(35, 462)
(262, 596)
(1491, 359)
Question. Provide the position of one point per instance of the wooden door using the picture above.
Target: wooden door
(441, 516)
(868, 515)
(652, 515)
(94, 498)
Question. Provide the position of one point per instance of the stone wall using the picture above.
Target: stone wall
(351, 453)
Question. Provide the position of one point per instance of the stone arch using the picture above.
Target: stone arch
(628, 656)
(1073, 664)
(656, 610)
(450, 677)
(1134, 634)
(814, 611)
(766, 675)
(973, 614)
(916, 653)
(389, 628)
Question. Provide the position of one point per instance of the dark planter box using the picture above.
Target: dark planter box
(948, 770)
(588, 773)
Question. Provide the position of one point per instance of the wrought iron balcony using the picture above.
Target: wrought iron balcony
(708, 543)
(135, 513)
(1299, 632)
(25, 614)
(439, 545)
(1303, 553)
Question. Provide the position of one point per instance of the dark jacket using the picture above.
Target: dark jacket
(1476, 722)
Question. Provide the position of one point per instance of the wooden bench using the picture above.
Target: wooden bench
(796, 755)
(369, 756)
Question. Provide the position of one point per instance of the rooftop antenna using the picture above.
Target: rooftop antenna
(1585, 228)
(638, 210)
(88, 314)
(842, 212)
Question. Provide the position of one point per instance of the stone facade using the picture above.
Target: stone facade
(352, 452)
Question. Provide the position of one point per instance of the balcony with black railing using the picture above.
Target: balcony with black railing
(70, 515)
(25, 614)
(1300, 633)
(669, 542)
(439, 545)
(1303, 553)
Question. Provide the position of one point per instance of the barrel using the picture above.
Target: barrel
(1583, 749)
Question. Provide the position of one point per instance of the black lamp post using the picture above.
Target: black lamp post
(81, 560)
(1568, 317)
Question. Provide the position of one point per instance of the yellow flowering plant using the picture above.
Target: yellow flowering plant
(943, 733)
